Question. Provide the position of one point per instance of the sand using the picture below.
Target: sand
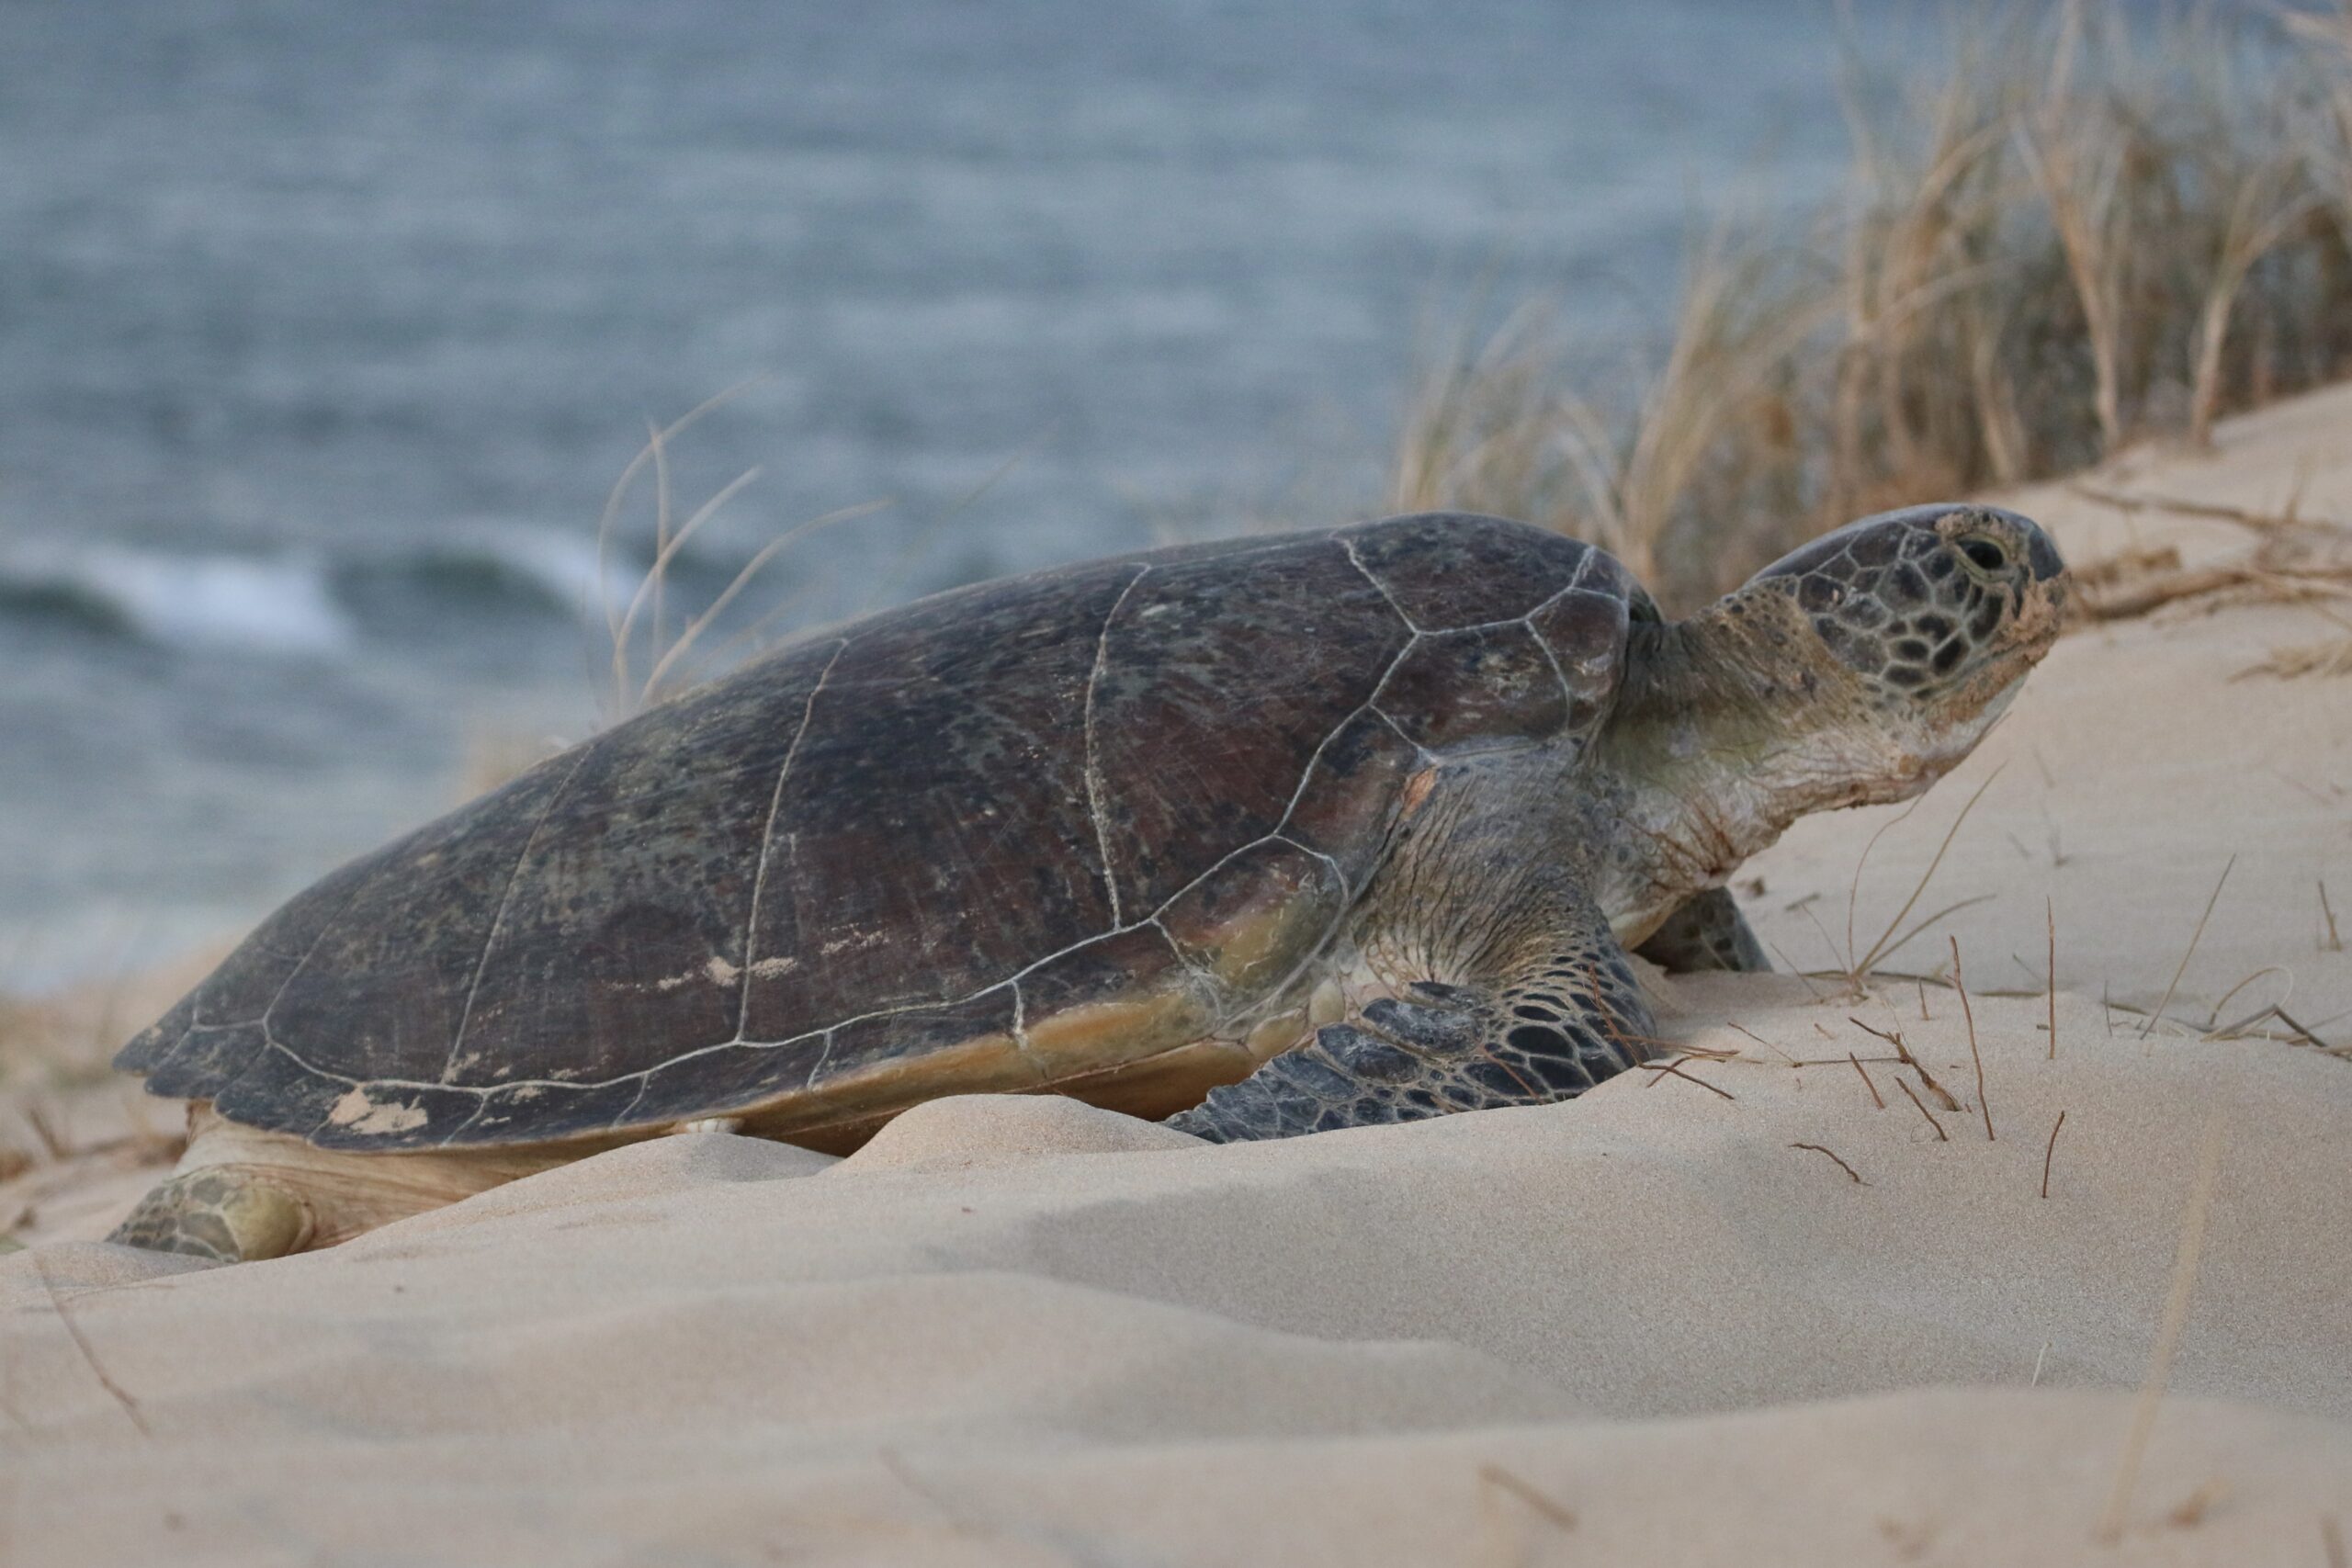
(1646, 1327)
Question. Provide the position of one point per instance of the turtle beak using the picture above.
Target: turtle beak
(2042, 555)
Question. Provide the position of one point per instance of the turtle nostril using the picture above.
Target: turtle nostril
(1984, 553)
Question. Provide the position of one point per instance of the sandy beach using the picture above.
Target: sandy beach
(1832, 1283)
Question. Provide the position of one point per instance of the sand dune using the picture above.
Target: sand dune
(1646, 1327)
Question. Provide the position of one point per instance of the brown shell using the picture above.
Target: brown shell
(1026, 834)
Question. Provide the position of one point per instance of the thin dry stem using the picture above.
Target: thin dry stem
(2194, 937)
(2159, 1375)
(1555, 1514)
(1960, 984)
(2080, 179)
(1882, 948)
(697, 625)
(618, 495)
(2048, 1151)
(2211, 511)
(2049, 914)
(120, 1395)
(1866, 1080)
(1848, 1169)
(2266, 207)
(1903, 1054)
(1941, 1136)
(1665, 1069)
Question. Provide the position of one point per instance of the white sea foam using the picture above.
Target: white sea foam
(278, 604)
(293, 604)
(562, 565)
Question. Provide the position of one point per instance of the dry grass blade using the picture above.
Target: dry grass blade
(1960, 984)
(653, 589)
(1887, 945)
(1674, 1069)
(694, 629)
(2049, 914)
(646, 609)
(1848, 1169)
(1903, 1054)
(2265, 209)
(618, 496)
(2335, 943)
(2194, 938)
(2087, 224)
(120, 1395)
(2211, 511)
(1789, 969)
(1941, 1136)
(2215, 1029)
(1923, 927)
(1551, 1512)
(1492, 431)
(2309, 1035)
(2329, 657)
(1866, 1080)
(2077, 163)
(2158, 589)
(2048, 1151)
(2159, 1375)
(1854, 884)
(1742, 1029)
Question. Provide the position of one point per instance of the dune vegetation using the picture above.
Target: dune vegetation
(2082, 230)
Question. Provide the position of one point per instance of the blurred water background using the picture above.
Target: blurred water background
(324, 329)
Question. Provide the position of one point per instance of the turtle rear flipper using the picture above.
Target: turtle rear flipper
(242, 1194)
(221, 1212)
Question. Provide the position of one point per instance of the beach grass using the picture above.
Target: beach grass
(2085, 229)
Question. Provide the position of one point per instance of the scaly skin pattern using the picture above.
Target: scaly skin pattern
(1860, 669)
(217, 1214)
(1508, 987)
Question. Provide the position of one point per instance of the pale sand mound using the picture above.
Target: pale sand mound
(1643, 1328)
(1115, 1344)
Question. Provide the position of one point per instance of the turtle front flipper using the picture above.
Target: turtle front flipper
(1561, 1013)
(221, 1212)
(1707, 932)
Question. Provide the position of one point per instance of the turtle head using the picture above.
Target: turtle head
(1922, 623)
(1858, 670)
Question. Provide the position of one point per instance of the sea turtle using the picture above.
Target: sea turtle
(1266, 836)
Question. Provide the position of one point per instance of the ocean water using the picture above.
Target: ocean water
(325, 328)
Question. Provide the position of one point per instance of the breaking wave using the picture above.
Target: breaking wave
(307, 605)
(541, 569)
(274, 604)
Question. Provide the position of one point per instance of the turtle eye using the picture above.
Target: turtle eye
(1984, 553)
